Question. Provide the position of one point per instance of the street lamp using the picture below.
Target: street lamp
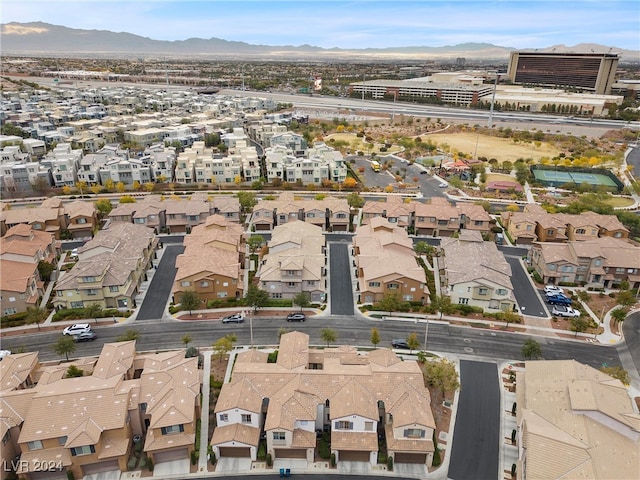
(493, 99)
(426, 334)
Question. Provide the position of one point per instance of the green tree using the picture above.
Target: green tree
(93, 311)
(531, 349)
(328, 335)
(129, 335)
(104, 207)
(247, 200)
(422, 248)
(375, 337)
(189, 300)
(625, 298)
(186, 339)
(442, 375)
(442, 304)
(127, 199)
(389, 303)
(64, 346)
(45, 269)
(619, 314)
(255, 242)
(509, 317)
(73, 372)
(256, 297)
(579, 325)
(223, 346)
(355, 200)
(618, 373)
(36, 315)
(302, 299)
(413, 342)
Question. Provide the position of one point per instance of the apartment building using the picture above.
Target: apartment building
(264, 130)
(295, 262)
(474, 272)
(90, 166)
(386, 264)
(82, 218)
(161, 160)
(110, 269)
(63, 163)
(395, 209)
(211, 264)
(571, 420)
(357, 397)
(602, 262)
(87, 425)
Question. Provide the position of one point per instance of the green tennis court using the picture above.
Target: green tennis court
(557, 178)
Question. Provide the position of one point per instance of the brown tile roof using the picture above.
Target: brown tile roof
(354, 398)
(422, 445)
(154, 443)
(237, 432)
(354, 441)
(15, 368)
(39, 460)
(303, 439)
(16, 276)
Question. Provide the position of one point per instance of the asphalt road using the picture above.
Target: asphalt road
(159, 290)
(629, 351)
(476, 440)
(341, 288)
(526, 295)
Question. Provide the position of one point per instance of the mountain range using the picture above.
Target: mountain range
(38, 38)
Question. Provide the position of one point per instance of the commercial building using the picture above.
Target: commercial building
(589, 72)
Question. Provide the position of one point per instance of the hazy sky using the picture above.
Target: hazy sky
(351, 24)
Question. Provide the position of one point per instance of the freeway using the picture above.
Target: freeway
(444, 338)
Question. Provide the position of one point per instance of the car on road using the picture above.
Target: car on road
(423, 172)
(4, 353)
(296, 317)
(443, 185)
(558, 300)
(85, 337)
(553, 290)
(564, 311)
(77, 329)
(400, 343)
(235, 318)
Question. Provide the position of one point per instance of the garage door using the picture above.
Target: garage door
(235, 452)
(171, 455)
(262, 227)
(353, 456)
(291, 453)
(47, 476)
(420, 458)
(100, 467)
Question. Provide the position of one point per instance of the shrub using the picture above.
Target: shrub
(269, 460)
(194, 459)
(70, 475)
(390, 464)
(273, 357)
(333, 460)
(324, 449)
(262, 450)
(150, 464)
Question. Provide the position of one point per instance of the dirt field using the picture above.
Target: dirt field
(492, 147)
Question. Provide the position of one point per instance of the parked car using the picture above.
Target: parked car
(4, 353)
(423, 172)
(558, 300)
(85, 337)
(77, 329)
(296, 317)
(553, 290)
(400, 343)
(443, 185)
(235, 318)
(564, 311)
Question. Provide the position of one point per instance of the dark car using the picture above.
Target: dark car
(85, 337)
(296, 317)
(558, 300)
(235, 318)
(423, 172)
(399, 343)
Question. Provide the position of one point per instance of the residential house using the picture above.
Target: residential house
(110, 269)
(437, 218)
(87, 425)
(355, 397)
(211, 264)
(386, 264)
(45, 218)
(295, 262)
(572, 420)
(474, 272)
(395, 209)
(603, 262)
(82, 218)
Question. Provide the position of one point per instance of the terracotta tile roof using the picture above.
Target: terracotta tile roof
(15, 368)
(80, 208)
(155, 442)
(414, 445)
(17, 276)
(303, 439)
(39, 460)
(293, 353)
(237, 432)
(240, 394)
(354, 398)
(356, 441)
(115, 359)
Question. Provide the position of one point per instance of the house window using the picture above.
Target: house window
(276, 295)
(392, 286)
(580, 231)
(311, 215)
(88, 279)
(114, 288)
(185, 284)
(617, 235)
(84, 450)
(463, 301)
(374, 284)
(223, 417)
(82, 220)
(414, 433)
(222, 294)
(204, 284)
(482, 291)
(62, 440)
(246, 418)
(9, 311)
(368, 426)
(343, 425)
(550, 232)
(501, 291)
(478, 223)
(139, 220)
(92, 291)
(278, 435)
(35, 445)
(311, 283)
(407, 298)
(341, 215)
(143, 407)
(291, 284)
(529, 228)
(172, 429)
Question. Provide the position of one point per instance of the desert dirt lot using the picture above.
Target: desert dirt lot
(492, 147)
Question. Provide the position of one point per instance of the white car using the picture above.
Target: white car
(77, 329)
(553, 290)
(564, 311)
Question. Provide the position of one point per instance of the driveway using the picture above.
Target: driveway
(476, 435)
(174, 467)
(159, 290)
(340, 286)
(526, 295)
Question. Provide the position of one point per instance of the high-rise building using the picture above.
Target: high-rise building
(589, 72)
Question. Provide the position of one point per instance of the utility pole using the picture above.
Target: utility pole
(493, 100)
